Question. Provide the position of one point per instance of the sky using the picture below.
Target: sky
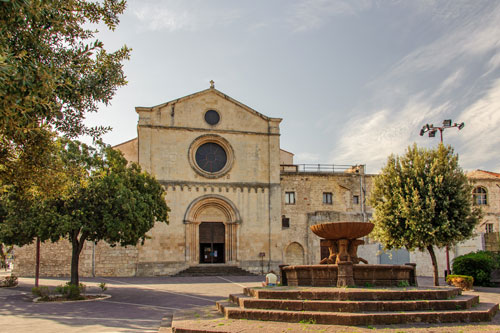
(353, 80)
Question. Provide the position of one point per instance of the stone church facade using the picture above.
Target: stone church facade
(236, 198)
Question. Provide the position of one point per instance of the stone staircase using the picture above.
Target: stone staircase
(352, 306)
(214, 270)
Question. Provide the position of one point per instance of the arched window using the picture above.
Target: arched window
(480, 196)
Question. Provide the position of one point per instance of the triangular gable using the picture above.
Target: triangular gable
(203, 92)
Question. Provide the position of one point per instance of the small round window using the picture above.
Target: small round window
(212, 117)
(211, 157)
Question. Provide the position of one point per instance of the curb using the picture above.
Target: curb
(102, 297)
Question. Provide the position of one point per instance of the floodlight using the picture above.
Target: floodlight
(461, 126)
(432, 134)
(422, 131)
(447, 122)
(427, 126)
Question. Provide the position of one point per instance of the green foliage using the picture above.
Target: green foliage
(103, 287)
(52, 68)
(42, 292)
(9, 281)
(403, 284)
(468, 279)
(72, 291)
(423, 199)
(478, 265)
(52, 72)
(101, 198)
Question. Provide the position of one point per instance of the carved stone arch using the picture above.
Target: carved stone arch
(211, 208)
(212, 201)
(294, 254)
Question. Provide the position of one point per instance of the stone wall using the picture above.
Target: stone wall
(55, 260)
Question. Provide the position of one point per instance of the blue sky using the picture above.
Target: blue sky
(353, 80)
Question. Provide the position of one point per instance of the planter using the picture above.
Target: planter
(463, 282)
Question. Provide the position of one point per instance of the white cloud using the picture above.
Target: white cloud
(175, 15)
(311, 14)
(481, 134)
(370, 139)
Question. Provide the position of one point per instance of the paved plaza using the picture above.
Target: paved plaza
(146, 304)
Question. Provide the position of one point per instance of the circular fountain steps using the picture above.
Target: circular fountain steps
(353, 306)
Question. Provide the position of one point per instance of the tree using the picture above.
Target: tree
(103, 199)
(421, 200)
(52, 72)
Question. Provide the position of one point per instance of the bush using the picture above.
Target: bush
(479, 265)
(42, 292)
(462, 281)
(71, 291)
(9, 281)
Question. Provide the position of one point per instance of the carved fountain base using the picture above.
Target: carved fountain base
(342, 268)
(348, 274)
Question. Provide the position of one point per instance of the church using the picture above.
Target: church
(236, 198)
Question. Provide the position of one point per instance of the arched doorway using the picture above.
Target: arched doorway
(294, 254)
(211, 230)
(212, 238)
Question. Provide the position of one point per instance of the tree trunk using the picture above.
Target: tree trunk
(75, 258)
(434, 264)
(77, 246)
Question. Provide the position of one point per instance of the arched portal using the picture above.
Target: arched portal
(211, 230)
(294, 254)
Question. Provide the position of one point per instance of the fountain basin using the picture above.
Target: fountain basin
(342, 230)
(363, 275)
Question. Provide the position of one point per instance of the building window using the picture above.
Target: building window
(290, 198)
(212, 117)
(355, 199)
(285, 222)
(479, 195)
(327, 198)
(489, 227)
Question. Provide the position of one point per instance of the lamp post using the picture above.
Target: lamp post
(431, 129)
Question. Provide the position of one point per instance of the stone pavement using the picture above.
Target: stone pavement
(136, 305)
(145, 304)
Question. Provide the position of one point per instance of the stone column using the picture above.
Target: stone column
(192, 243)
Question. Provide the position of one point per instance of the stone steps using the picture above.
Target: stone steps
(482, 312)
(214, 270)
(353, 294)
(357, 306)
(460, 302)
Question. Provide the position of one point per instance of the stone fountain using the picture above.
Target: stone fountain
(342, 267)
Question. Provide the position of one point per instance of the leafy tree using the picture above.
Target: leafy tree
(421, 200)
(103, 199)
(52, 72)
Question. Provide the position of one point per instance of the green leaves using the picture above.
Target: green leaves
(423, 198)
(53, 71)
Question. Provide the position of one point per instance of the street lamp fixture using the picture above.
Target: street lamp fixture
(431, 129)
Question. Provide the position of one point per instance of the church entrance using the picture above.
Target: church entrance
(212, 242)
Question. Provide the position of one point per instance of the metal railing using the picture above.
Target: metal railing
(325, 168)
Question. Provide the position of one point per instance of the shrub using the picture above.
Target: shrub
(71, 291)
(42, 292)
(103, 287)
(9, 281)
(462, 281)
(479, 265)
